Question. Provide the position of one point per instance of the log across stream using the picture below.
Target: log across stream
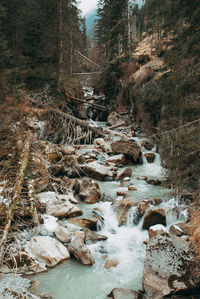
(124, 249)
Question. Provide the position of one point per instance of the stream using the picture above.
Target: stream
(125, 244)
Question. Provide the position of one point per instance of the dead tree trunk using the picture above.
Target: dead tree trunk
(16, 192)
(60, 45)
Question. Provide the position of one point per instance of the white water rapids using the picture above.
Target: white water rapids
(72, 280)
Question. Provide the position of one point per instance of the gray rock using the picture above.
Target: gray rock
(120, 293)
(169, 266)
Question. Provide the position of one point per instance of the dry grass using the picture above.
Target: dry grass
(195, 230)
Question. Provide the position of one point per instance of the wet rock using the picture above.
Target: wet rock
(46, 296)
(118, 160)
(124, 174)
(89, 191)
(111, 264)
(155, 201)
(154, 182)
(98, 171)
(48, 250)
(62, 234)
(150, 157)
(122, 193)
(92, 237)
(120, 293)
(132, 188)
(122, 208)
(179, 229)
(147, 145)
(142, 207)
(63, 209)
(156, 230)
(153, 217)
(78, 248)
(90, 223)
(169, 266)
(129, 148)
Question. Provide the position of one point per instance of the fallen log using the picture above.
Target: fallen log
(16, 192)
(88, 103)
(117, 126)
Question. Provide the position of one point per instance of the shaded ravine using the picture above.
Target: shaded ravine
(125, 244)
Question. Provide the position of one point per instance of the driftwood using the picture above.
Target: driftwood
(33, 201)
(88, 103)
(16, 192)
(117, 126)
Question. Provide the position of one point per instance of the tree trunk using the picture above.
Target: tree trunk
(60, 45)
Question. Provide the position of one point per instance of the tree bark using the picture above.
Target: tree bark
(60, 45)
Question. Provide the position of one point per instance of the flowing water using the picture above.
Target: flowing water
(72, 280)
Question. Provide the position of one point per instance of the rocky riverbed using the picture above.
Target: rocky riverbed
(106, 217)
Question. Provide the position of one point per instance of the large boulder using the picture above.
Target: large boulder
(169, 267)
(78, 248)
(128, 148)
(153, 217)
(48, 250)
(90, 223)
(89, 191)
(98, 171)
(120, 293)
(63, 209)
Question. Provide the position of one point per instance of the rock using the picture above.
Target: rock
(154, 182)
(150, 157)
(147, 145)
(155, 201)
(68, 150)
(142, 207)
(179, 229)
(46, 296)
(120, 293)
(129, 148)
(63, 209)
(98, 171)
(105, 146)
(26, 264)
(62, 234)
(169, 266)
(92, 237)
(89, 191)
(153, 217)
(124, 174)
(132, 188)
(48, 250)
(113, 118)
(79, 250)
(156, 230)
(118, 160)
(122, 208)
(90, 223)
(111, 264)
(122, 193)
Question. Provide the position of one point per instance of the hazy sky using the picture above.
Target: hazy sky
(87, 5)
